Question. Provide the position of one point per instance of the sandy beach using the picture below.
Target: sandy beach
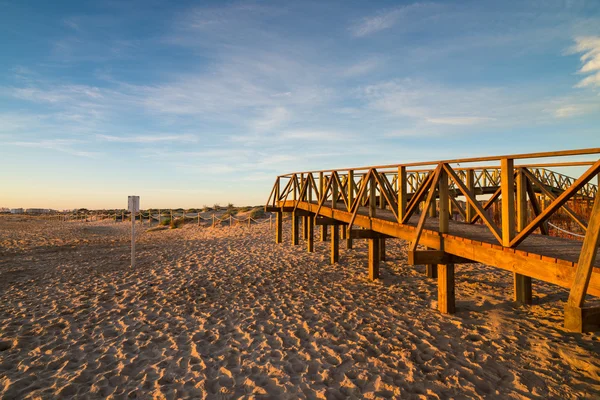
(227, 313)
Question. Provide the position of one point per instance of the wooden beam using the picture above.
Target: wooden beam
(335, 244)
(366, 234)
(374, 259)
(446, 295)
(535, 206)
(420, 257)
(320, 221)
(522, 284)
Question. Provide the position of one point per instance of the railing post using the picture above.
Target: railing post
(321, 195)
(349, 243)
(402, 195)
(507, 187)
(522, 283)
(382, 202)
(445, 272)
(334, 191)
(470, 211)
(372, 195)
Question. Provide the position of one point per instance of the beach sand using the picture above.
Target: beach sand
(227, 313)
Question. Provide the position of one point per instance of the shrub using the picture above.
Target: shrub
(257, 213)
(176, 223)
(217, 207)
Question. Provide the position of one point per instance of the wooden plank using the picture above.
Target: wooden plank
(373, 259)
(372, 194)
(446, 295)
(351, 186)
(587, 257)
(430, 195)
(335, 244)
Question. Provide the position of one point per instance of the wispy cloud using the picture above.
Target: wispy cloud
(184, 138)
(385, 19)
(62, 145)
(590, 47)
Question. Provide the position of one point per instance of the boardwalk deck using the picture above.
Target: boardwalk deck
(385, 203)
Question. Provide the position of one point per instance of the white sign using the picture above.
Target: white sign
(133, 203)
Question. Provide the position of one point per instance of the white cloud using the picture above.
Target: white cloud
(308, 134)
(361, 67)
(590, 47)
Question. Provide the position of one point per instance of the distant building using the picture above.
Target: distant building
(16, 211)
(37, 211)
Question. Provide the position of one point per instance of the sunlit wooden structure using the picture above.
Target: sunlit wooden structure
(415, 202)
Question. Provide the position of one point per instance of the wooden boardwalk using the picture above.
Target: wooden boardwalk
(399, 201)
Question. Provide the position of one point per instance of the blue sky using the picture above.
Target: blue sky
(193, 103)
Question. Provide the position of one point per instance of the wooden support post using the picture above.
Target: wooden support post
(343, 233)
(374, 253)
(402, 195)
(433, 207)
(335, 243)
(321, 195)
(279, 227)
(305, 227)
(295, 229)
(507, 187)
(431, 270)
(382, 256)
(522, 284)
(351, 185)
(310, 239)
(577, 317)
(470, 211)
(382, 202)
(446, 295)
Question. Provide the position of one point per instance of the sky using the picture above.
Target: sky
(195, 103)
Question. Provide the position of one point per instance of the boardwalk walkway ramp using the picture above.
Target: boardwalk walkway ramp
(443, 209)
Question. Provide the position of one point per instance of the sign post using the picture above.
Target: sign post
(133, 206)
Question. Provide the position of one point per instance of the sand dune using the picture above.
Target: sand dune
(226, 313)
